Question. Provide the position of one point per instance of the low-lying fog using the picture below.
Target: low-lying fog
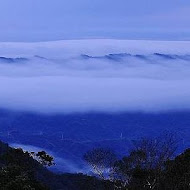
(95, 75)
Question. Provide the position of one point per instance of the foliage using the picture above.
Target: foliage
(20, 171)
(100, 160)
(146, 167)
(43, 158)
(151, 164)
(177, 172)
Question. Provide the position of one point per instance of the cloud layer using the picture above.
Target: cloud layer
(102, 75)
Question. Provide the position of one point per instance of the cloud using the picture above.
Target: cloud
(118, 76)
(73, 94)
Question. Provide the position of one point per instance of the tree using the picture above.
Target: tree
(101, 161)
(43, 158)
(158, 150)
(18, 171)
(143, 167)
(177, 172)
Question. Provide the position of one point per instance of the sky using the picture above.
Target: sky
(48, 20)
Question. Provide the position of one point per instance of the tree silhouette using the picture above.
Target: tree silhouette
(101, 161)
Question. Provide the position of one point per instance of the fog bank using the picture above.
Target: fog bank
(90, 75)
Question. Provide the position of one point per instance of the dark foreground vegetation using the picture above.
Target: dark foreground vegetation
(151, 164)
(20, 171)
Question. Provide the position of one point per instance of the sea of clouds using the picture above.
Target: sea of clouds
(95, 75)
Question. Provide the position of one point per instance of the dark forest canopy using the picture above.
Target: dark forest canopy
(151, 164)
(20, 171)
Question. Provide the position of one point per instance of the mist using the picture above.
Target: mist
(62, 165)
(95, 76)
